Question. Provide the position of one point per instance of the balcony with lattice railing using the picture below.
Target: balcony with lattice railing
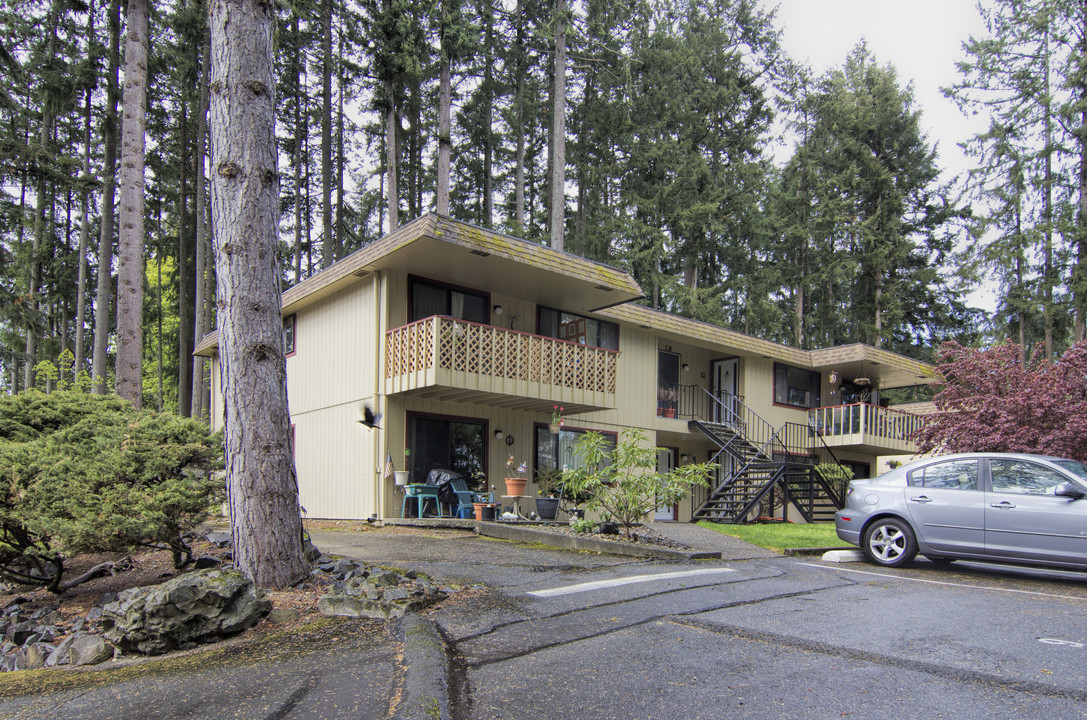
(458, 360)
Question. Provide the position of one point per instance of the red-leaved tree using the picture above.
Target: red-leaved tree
(989, 401)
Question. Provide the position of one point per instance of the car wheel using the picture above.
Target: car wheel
(889, 542)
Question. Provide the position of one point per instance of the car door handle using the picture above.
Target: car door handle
(1002, 505)
(921, 499)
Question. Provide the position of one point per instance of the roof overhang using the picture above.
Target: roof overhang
(882, 368)
(457, 253)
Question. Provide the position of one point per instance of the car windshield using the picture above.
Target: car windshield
(1074, 466)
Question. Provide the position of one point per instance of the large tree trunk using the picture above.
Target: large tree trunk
(261, 482)
(199, 373)
(128, 368)
(104, 291)
(558, 131)
(390, 141)
(328, 242)
(42, 200)
(519, 99)
(445, 99)
(488, 109)
(84, 223)
(185, 274)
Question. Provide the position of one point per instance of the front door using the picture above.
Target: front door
(666, 461)
(726, 389)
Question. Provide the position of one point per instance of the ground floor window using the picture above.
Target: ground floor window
(554, 452)
(442, 443)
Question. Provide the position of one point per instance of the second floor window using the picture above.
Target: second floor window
(431, 298)
(578, 328)
(796, 387)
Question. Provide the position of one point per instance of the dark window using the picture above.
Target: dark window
(289, 323)
(667, 383)
(796, 387)
(1019, 476)
(578, 328)
(430, 298)
(954, 475)
(554, 452)
(446, 444)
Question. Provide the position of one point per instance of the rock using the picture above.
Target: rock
(219, 539)
(61, 654)
(20, 631)
(310, 551)
(198, 607)
(206, 562)
(90, 650)
(384, 594)
(281, 615)
(36, 655)
(342, 567)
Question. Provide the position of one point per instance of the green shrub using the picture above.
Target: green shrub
(87, 473)
(623, 485)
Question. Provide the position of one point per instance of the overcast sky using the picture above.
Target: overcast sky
(922, 39)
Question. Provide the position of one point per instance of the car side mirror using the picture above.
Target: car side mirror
(1068, 490)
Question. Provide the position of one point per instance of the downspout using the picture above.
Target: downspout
(379, 397)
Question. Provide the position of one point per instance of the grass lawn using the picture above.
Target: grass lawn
(779, 536)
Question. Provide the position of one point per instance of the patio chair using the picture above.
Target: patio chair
(421, 494)
(464, 507)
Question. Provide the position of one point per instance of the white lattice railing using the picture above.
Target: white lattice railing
(457, 345)
(864, 419)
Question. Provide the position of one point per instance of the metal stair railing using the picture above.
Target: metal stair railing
(792, 443)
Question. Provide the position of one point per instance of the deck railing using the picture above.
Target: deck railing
(864, 419)
(449, 344)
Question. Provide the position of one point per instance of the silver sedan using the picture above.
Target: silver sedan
(1023, 509)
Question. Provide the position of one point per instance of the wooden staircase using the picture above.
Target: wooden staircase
(761, 464)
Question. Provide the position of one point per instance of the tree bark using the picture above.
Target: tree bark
(104, 290)
(445, 99)
(185, 274)
(558, 131)
(519, 99)
(261, 482)
(201, 301)
(85, 221)
(41, 200)
(128, 368)
(328, 242)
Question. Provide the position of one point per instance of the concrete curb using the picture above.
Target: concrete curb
(426, 674)
(795, 552)
(573, 542)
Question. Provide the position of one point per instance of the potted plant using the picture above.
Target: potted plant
(666, 402)
(515, 484)
(549, 487)
(557, 420)
(402, 477)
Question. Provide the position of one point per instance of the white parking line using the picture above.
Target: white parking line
(599, 584)
(949, 584)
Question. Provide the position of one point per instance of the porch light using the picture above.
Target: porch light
(683, 458)
(686, 367)
(497, 309)
(833, 377)
(499, 435)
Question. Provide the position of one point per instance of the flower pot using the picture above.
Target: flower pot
(669, 412)
(547, 508)
(401, 477)
(489, 511)
(479, 507)
(516, 485)
(554, 428)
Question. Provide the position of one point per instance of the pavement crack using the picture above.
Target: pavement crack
(295, 697)
(984, 679)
